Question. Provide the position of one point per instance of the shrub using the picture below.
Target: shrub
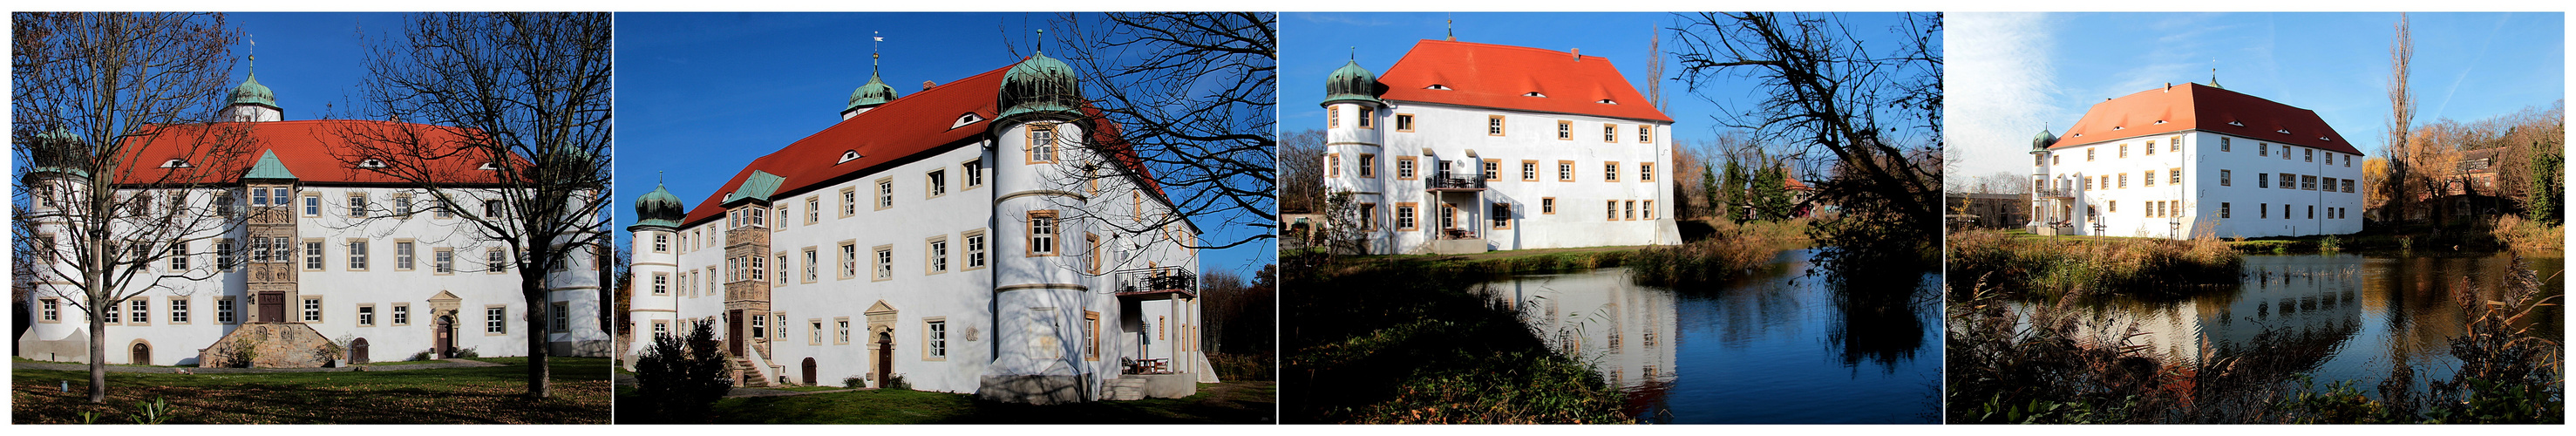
(895, 382)
(854, 382)
(420, 356)
(244, 351)
(467, 353)
(679, 379)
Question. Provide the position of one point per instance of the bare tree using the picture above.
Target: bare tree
(513, 134)
(1873, 109)
(1192, 96)
(2401, 120)
(1301, 162)
(114, 129)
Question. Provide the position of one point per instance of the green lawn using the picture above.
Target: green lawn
(1249, 402)
(489, 395)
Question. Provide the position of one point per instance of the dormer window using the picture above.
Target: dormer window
(2236, 123)
(371, 163)
(2160, 121)
(177, 163)
(487, 166)
(1534, 94)
(848, 156)
(2118, 128)
(1606, 101)
(1436, 86)
(2283, 131)
(962, 121)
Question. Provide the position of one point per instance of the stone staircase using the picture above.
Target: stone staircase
(749, 375)
(1126, 389)
(270, 345)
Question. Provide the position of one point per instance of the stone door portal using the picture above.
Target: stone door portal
(272, 307)
(142, 354)
(444, 336)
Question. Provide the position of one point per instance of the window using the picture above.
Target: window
(2115, 206)
(1368, 166)
(224, 310)
(759, 326)
(2289, 181)
(975, 250)
(1091, 244)
(495, 262)
(312, 309)
(937, 249)
(1609, 171)
(2308, 154)
(1501, 215)
(849, 202)
(496, 320)
(312, 205)
(1564, 130)
(1332, 164)
(937, 341)
(2223, 208)
(1547, 205)
(179, 256)
(2088, 154)
(885, 263)
(2312, 211)
(366, 315)
(313, 255)
(1404, 122)
(492, 209)
(2263, 212)
(1042, 143)
(1631, 214)
(937, 181)
(885, 194)
(2224, 178)
(2173, 176)
(402, 205)
(1645, 171)
(2124, 180)
(1645, 134)
(2124, 151)
(112, 315)
(1493, 125)
(1649, 209)
(2262, 180)
(357, 205)
(973, 170)
(2347, 183)
(1610, 133)
(358, 255)
(443, 260)
(1492, 169)
(2264, 149)
(661, 244)
(179, 310)
(1368, 216)
(1333, 117)
(1368, 116)
(661, 283)
(1564, 171)
(1090, 335)
(2308, 183)
(661, 330)
(2149, 179)
(1405, 216)
(1042, 233)
(50, 310)
(224, 204)
(1404, 168)
(1614, 210)
(2151, 148)
(560, 316)
(2173, 144)
(1529, 171)
(782, 264)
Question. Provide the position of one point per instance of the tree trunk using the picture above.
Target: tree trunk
(534, 291)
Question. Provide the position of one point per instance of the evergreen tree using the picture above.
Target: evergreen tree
(2546, 187)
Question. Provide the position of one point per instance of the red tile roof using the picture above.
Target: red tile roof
(2192, 106)
(313, 149)
(1499, 76)
(891, 133)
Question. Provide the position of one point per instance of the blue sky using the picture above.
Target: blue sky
(314, 61)
(2012, 74)
(701, 95)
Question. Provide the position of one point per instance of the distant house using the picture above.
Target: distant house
(1986, 211)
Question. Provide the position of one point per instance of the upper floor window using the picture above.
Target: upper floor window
(1493, 125)
(1042, 233)
(1564, 130)
(1042, 143)
(1404, 122)
(1368, 116)
(885, 193)
(937, 181)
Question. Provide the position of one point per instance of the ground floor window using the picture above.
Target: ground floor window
(496, 320)
(938, 341)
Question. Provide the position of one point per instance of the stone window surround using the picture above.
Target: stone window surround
(496, 324)
(366, 314)
(940, 344)
(401, 313)
(934, 253)
(181, 309)
(883, 266)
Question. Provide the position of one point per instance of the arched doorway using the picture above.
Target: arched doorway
(142, 354)
(809, 371)
(358, 350)
(885, 357)
(443, 336)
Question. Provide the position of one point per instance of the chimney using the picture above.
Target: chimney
(1578, 54)
(925, 85)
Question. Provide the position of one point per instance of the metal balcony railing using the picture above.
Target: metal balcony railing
(1158, 280)
(1449, 181)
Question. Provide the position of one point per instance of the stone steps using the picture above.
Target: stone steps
(749, 375)
(1126, 389)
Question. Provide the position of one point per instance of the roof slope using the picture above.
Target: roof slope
(890, 133)
(313, 150)
(1500, 76)
(2193, 106)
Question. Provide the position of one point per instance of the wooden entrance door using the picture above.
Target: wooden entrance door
(885, 358)
(272, 307)
(444, 336)
(734, 332)
(809, 371)
(142, 354)
(358, 350)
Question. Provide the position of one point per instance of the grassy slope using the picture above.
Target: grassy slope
(444, 395)
(1216, 403)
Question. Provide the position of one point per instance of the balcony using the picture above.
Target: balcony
(1448, 182)
(2050, 193)
(1162, 282)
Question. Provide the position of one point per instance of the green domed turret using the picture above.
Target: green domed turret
(874, 93)
(1351, 83)
(59, 151)
(659, 209)
(1040, 84)
(251, 92)
(2044, 140)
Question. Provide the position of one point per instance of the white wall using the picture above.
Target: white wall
(2202, 196)
(1459, 134)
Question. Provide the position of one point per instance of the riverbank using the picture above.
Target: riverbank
(2017, 263)
(1403, 339)
(2506, 233)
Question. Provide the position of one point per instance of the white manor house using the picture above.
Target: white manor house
(309, 248)
(1465, 147)
(987, 236)
(2183, 160)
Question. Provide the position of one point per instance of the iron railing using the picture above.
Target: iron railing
(1168, 278)
(1446, 181)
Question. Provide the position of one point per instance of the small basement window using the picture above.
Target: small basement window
(848, 156)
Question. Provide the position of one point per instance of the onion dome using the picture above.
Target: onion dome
(1040, 84)
(251, 92)
(58, 151)
(876, 92)
(1351, 83)
(659, 209)
(2044, 140)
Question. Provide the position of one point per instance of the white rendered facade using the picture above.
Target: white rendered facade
(971, 266)
(2251, 202)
